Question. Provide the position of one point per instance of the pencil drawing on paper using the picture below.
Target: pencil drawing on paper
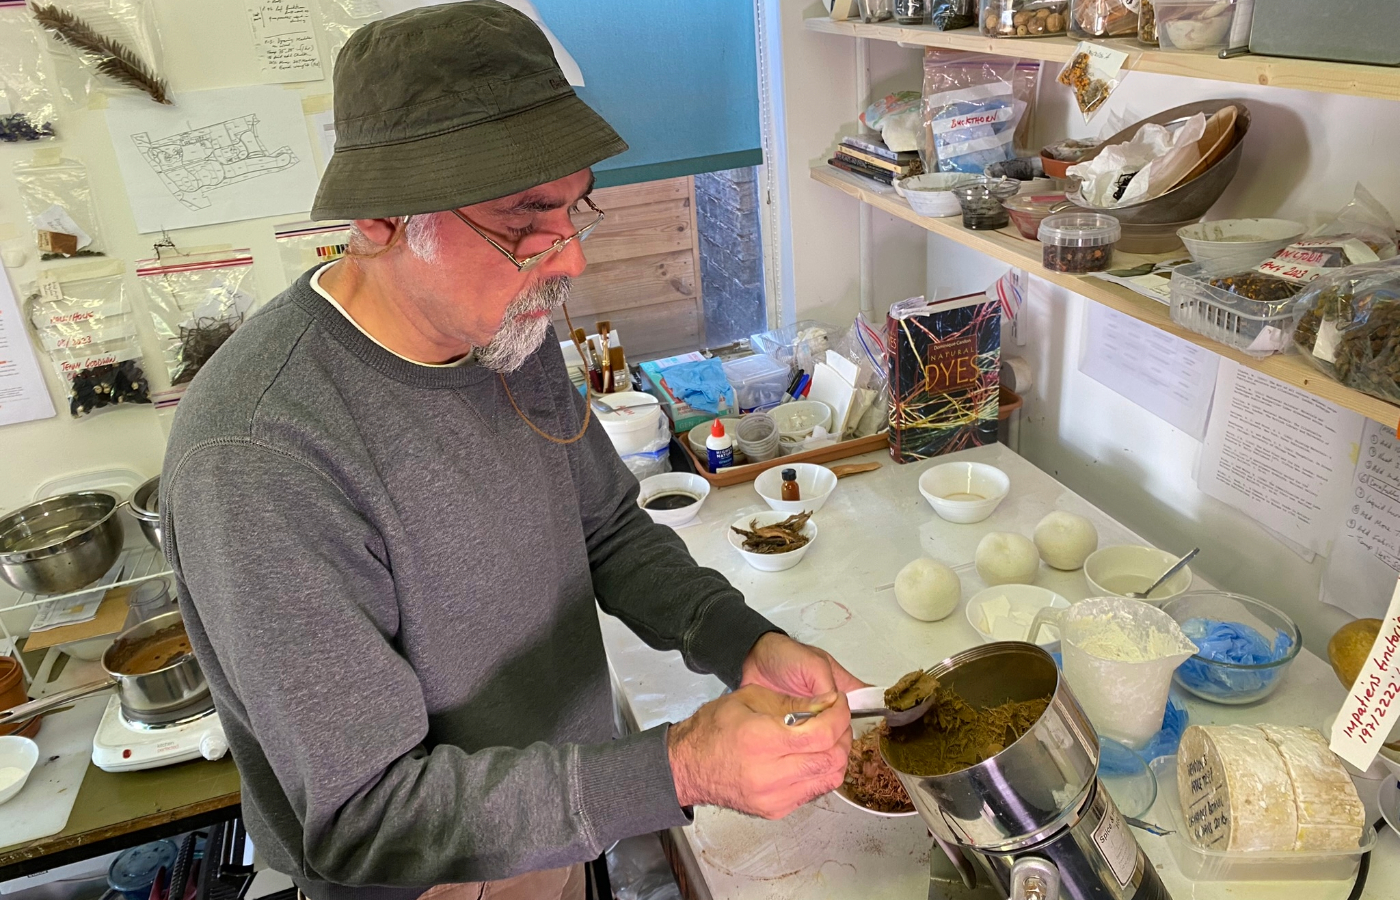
(192, 163)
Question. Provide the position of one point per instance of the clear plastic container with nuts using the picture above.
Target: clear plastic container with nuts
(1024, 18)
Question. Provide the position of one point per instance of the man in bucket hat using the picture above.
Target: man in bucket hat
(391, 522)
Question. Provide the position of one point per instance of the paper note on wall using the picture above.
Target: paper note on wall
(284, 40)
(1170, 378)
(1278, 454)
(23, 394)
(1365, 560)
(215, 156)
(1373, 705)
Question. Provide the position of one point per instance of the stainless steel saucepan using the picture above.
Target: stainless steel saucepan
(155, 686)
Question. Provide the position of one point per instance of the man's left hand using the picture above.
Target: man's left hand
(781, 664)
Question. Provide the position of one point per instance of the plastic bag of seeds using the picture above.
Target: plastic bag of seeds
(27, 111)
(306, 244)
(103, 46)
(196, 302)
(82, 320)
(1361, 232)
(58, 198)
(1348, 325)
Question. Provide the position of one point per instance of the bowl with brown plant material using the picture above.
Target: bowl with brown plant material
(871, 785)
(773, 541)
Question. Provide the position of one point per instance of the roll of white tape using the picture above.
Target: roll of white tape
(1016, 375)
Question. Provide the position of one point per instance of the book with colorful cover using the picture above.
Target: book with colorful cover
(874, 144)
(857, 168)
(945, 372)
(909, 167)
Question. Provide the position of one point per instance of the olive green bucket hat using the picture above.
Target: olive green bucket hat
(446, 106)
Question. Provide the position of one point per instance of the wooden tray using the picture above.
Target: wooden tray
(749, 471)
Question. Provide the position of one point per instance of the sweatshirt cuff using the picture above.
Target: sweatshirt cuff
(626, 787)
(727, 630)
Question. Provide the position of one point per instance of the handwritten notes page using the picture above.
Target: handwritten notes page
(1170, 378)
(1278, 454)
(284, 39)
(1370, 710)
(1365, 558)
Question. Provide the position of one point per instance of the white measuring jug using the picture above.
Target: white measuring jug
(1119, 656)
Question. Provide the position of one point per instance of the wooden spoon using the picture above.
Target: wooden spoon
(854, 469)
(1219, 137)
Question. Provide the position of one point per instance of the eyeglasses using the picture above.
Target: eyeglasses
(530, 262)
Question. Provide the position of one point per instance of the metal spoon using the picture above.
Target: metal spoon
(1180, 564)
(868, 702)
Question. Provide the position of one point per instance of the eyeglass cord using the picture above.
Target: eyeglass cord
(587, 396)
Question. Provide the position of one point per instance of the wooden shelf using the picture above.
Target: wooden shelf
(1011, 248)
(1300, 74)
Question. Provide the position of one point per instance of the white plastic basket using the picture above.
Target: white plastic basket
(1257, 327)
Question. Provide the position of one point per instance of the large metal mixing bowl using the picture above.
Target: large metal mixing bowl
(1186, 202)
(60, 544)
(144, 506)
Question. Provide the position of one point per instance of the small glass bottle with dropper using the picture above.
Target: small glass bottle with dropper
(790, 489)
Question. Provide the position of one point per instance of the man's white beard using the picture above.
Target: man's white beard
(518, 338)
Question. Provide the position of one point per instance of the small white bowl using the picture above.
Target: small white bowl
(814, 485)
(932, 194)
(1024, 599)
(799, 418)
(669, 483)
(771, 562)
(1238, 237)
(964, 492)
(20, 753)
(859, 727)
(1114, 571)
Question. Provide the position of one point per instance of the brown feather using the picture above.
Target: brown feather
(109, 57)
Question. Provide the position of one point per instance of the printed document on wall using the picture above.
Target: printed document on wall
(23, 394)
(1170, 378)
(214, 156)
(1361, 572)
(1278, 454)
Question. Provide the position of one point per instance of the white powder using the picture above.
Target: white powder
(10, 776)
(1106, 638)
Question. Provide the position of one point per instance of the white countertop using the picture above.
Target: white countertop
(841, 598)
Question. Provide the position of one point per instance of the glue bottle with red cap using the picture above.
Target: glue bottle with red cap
(719, 447)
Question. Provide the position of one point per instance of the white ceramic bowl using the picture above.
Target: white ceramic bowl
(1022, 601)
(814, 485)
(771, 562)
(20, 753)
(1114, 571)
(859, 727)
(932, 194)
(673, 482)
(797, 420)
(1238, 237)
(964, 492)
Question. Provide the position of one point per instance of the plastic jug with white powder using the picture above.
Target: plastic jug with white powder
(1119, 656)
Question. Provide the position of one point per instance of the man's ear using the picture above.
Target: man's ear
(378, 231)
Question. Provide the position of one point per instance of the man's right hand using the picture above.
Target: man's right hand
(735, 752)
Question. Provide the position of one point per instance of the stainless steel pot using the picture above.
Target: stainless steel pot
(144, 506)
(62, 543)
(1029, 790)
(175, 691)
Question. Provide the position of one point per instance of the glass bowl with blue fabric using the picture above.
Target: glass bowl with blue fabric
(1244, 646)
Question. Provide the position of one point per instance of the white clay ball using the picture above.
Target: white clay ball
(1065, 540)
(927, 590)
(1005, 558)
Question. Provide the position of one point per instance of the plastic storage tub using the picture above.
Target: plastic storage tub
(1194, 24)
(1258, 327)
(1078, 242)
(1201, 864)
(1029, 210)
(1024, 18)
(758, 381)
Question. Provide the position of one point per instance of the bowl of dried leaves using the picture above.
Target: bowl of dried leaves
(773, 541)
(871, 785)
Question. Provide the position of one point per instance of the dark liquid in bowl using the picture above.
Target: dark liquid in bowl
(673, 500)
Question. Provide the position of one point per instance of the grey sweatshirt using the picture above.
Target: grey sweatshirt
(390, 580)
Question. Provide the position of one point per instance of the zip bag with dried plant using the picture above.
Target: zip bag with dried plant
(103, 45)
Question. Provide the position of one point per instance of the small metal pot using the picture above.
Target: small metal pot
(62, 543)
(144, 505)
(175, 691)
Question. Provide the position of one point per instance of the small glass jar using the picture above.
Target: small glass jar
(981, 202)
(1078, 242)
(1024, 18)
(1147, 24)
(149, 599)
(1102, 18)
(911, 12)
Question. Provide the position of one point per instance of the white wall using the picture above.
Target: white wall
(1304, 154)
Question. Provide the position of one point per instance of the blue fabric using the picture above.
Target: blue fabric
(1231, 642)
(701, 384)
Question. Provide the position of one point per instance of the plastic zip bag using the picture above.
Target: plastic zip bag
(82, 320)
(196, 303)
(342, 18)
(1347, 324)
(306, 244)
(27, 111)
(58, 198)
(129, 63)
(973, 105)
